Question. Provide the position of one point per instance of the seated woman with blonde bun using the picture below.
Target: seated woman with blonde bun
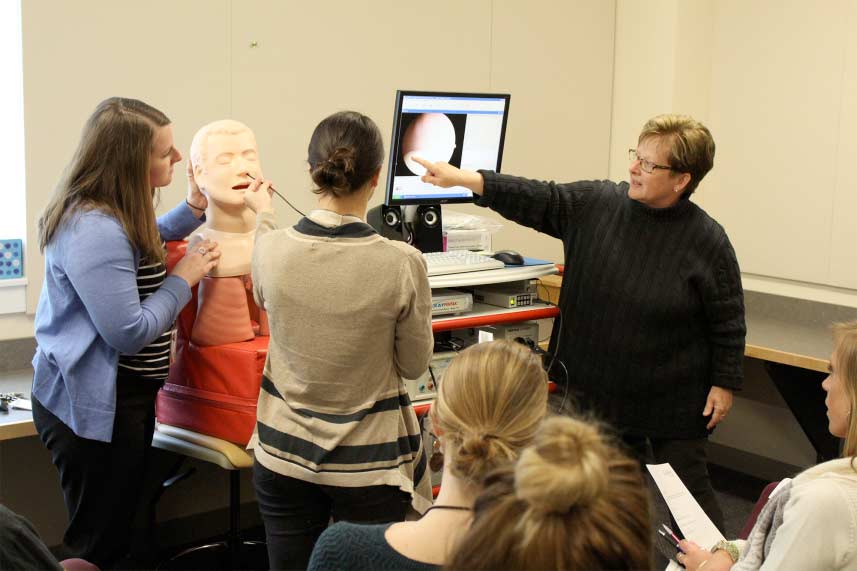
(811, 521)
(490, 403)
(572, 501)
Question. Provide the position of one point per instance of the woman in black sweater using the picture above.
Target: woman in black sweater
(652, 310)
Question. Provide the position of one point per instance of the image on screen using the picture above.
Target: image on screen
(464, 130)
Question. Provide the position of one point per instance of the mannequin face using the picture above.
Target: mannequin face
(162, 158)
(228, 159)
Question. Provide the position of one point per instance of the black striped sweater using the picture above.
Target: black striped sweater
(350, 315)
(153, 361)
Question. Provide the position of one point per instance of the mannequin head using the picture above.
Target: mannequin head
(222, 154)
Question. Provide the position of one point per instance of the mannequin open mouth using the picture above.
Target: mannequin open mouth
(242, 186)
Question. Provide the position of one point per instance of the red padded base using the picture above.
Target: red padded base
(211, 390)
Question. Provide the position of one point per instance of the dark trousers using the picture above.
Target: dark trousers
(688, 459)
(296, 512)
(102, 481)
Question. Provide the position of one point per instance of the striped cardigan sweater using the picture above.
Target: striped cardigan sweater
(350, 315)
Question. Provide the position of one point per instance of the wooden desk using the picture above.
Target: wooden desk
(779, 330)
(16, 423)
(793, 340)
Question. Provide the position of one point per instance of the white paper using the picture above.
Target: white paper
(691, 520)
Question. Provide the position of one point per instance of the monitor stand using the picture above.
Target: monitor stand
(428, 228)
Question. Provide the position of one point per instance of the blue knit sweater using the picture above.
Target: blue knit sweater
(90, 311)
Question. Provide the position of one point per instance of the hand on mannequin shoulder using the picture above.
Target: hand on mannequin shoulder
(258, 196)
(201, 257)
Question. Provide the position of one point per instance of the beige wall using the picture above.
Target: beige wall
(194, 60)
(777, 84)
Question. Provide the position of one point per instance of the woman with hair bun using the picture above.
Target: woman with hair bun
(490, 403)
(572, 501)
(350, 316)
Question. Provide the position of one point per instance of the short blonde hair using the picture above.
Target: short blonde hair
(490, 403)
(691, 146)
(845, 341)
(572, 501)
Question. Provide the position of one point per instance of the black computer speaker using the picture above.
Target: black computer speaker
(387, 221)
(428, 229)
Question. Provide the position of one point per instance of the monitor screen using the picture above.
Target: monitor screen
(463, 129)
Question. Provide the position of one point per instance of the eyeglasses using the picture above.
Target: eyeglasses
(645, 164)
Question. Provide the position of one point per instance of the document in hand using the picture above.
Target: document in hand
(691, 520)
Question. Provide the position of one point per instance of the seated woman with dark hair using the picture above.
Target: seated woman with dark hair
(572, 501)
(811, 522)
(490, 403)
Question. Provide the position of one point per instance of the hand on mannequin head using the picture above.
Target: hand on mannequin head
(195, 198)
(223, 154)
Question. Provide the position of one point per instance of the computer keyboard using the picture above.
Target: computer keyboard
(458, 262)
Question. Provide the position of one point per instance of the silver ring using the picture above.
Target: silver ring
(202, 250)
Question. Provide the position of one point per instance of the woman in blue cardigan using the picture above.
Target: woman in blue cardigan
(105, 316)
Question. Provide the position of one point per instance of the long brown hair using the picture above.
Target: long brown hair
(845, 340)
(110, 172)
(572, 501)
(491, 401)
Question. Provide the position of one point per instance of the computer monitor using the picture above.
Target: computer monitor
(466, 130)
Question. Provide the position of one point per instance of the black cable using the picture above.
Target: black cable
(408, 232)
(287, 202)
(558, 337)
(558, 322)
(281, 196)
(567, 388)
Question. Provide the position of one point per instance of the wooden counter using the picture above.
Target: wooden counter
(790, 331)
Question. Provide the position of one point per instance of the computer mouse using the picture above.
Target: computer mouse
(509, 257)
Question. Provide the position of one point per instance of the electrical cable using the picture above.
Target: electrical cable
(281, 196)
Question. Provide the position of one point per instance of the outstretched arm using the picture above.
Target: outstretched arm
(445, 175)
